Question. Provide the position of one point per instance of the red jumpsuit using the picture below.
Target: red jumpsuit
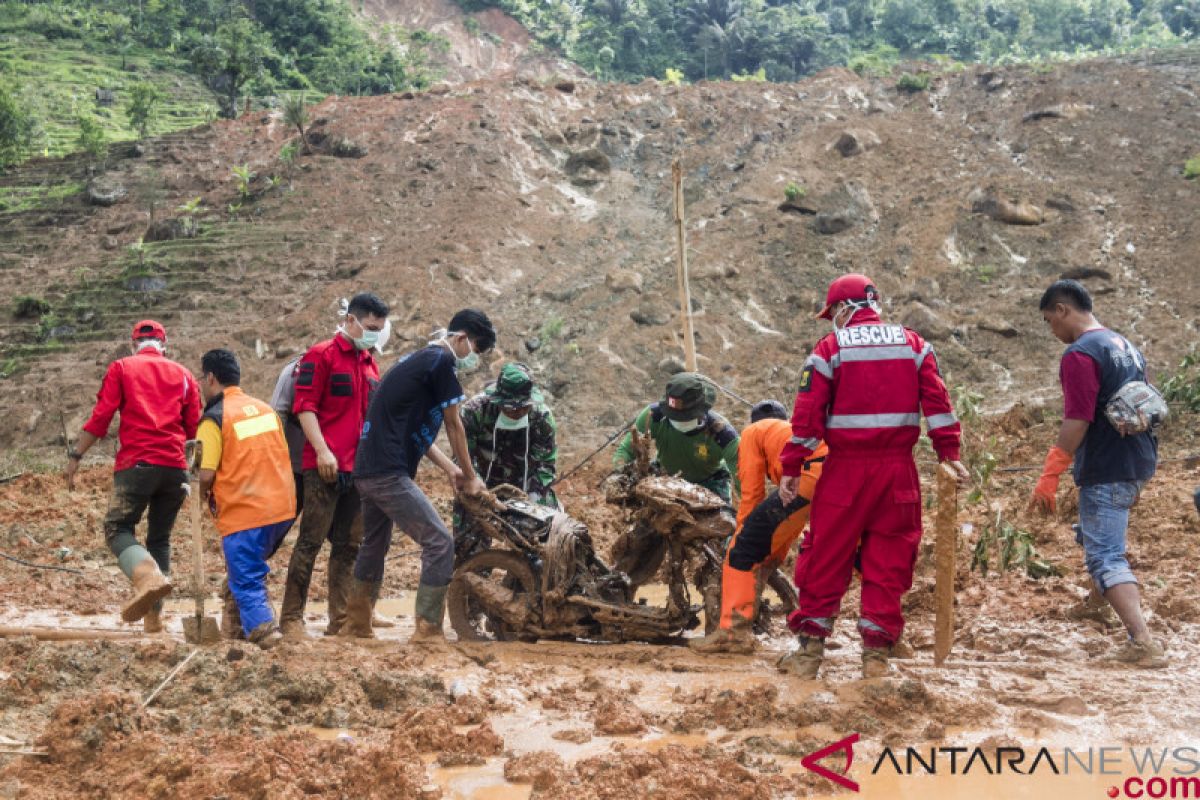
(863, 391)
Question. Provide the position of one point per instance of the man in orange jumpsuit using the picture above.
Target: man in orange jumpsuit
(863, 392)
(766, 528)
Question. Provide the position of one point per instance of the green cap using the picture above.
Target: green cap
(514, 387)
(688, 396)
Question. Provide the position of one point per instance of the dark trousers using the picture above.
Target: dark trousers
(162, 490)
(333, 514)
(396, 500)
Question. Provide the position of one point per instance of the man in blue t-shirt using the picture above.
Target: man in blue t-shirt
(1110, 468)
(414, 398)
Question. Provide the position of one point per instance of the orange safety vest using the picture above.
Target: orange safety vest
(254, 485)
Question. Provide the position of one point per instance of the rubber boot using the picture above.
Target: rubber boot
(152, 622)
(430, 611)
(340, 581)
(380, 621)
(804, 661)
(231, 618)
(359, 607)
(875, 662)
(293, 630)
(739, 591)
(266, 635)
(149, 587)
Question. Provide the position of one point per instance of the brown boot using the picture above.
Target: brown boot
(430, 611)
(875, 662)
(149, 587)
(231, 618)
(266, 635)
(380, 621)
(738, 638)
(805, 661)
(293, 630)
(341, 580)
(357, 623)
(152, 622)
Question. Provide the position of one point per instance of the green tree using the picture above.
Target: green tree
(92, 138)
(231, 58)
(143, 101)
(295, 113)
(18, 128)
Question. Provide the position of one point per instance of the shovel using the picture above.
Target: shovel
(197, 629)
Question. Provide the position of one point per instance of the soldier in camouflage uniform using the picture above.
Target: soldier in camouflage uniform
(511, 435)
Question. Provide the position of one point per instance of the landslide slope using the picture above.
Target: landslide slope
(551, 209)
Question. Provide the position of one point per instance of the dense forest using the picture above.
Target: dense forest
(780, 40)
(253, 47)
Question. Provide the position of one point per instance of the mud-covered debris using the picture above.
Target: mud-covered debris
(541, 768)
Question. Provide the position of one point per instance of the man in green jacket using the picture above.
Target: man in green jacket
(690, 439)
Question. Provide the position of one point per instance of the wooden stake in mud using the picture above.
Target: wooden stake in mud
(944, 549)
(681, 271)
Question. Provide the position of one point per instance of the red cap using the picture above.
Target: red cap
(854, 286)
(149, 329)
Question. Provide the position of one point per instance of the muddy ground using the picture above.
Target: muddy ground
(555, 719)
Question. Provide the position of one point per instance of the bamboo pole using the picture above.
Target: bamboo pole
(681, 271)
(66, 634)
(944, 549)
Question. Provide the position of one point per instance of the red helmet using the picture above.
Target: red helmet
(149, 329)
(846, 288)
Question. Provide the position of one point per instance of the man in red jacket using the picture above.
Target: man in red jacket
(863, 392)
(159, 401)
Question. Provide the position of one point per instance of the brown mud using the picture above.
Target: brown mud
(553, 719)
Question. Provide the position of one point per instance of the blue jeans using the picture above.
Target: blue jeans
(1103, 520)
(246, 554)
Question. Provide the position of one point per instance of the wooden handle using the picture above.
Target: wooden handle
(944, 549)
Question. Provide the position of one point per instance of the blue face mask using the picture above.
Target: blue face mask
(368, 339)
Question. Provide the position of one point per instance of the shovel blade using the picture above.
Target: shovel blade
(201, 630)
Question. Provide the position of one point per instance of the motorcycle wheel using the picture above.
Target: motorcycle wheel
(469, 619)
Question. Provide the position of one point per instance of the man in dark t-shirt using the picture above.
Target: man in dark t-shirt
(1110, 467)
(418, 394)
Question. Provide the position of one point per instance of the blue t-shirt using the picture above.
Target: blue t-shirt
(406, 412)
(1105, 455)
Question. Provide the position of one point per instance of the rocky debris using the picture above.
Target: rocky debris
(566, 87)
(146, 283)
(671, 365)
(925, 321)
(649, 315)
(624, 280)
(1057, 111)
(676, 772)
(542, 768)
(989, 203)
(800, 205)
(991, 81)
(105, 192)
(614, 716)
(1000, 326)
(165, 230)
(347, 148)
(856, 142)
(587, 167)
(1083, 273)
(843, 208)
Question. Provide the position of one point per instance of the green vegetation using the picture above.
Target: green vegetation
(793, 192)
(26, 307)
(913, 83)
(1012, 548)
(147, 67)
(143, 102)
(551, 329)
(1183, 387)
(92, 138)
(713, 39)
(1191, 167)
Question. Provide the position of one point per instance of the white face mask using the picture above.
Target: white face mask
(507, 423)
(686, 425)
(850, 309)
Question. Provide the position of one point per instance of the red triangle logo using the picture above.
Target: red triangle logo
(810, 762)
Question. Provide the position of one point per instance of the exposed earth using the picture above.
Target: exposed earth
(547, 202)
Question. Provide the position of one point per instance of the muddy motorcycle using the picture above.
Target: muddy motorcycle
(526, 572)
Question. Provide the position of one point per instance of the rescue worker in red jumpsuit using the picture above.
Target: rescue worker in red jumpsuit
(863, 392)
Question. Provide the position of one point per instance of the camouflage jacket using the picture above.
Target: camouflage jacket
(499, 456)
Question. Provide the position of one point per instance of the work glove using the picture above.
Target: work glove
(1046, 490)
